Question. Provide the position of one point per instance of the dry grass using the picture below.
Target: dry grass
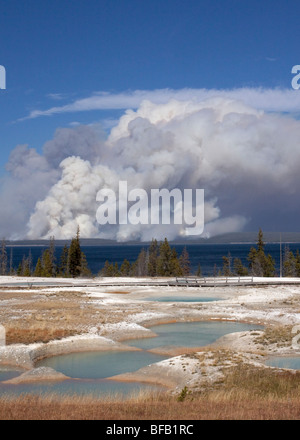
(30, 317)
(245, 394)
(279, 335)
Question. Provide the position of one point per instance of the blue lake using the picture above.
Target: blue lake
(209, 256)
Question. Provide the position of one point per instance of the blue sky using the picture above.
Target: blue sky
(56, 52)
(86, 62)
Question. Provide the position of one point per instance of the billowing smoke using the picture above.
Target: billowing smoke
(246, 161)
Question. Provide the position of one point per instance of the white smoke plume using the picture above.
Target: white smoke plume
(247, 162)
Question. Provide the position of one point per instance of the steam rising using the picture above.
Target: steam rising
(246, 161)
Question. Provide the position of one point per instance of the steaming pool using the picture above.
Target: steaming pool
(89, 371)
(291, 362)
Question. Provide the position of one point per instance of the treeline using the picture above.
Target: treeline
(260, 264)
(158, 260)
(72, 262)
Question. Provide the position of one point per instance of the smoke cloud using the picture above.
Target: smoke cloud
(247, 161)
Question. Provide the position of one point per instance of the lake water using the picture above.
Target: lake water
(292, 362)
(209, 256)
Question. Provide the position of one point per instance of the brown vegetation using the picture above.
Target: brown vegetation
(244, 394)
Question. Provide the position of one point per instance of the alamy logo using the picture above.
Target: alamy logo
(296, 79)
(161, 206)
(2, 77)
(2, 335)
(295, 340)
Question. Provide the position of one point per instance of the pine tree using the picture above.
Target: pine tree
(84, 269)
(238, 268)
(63, 264)
(289, 263)
(38, 271)
(74, 257)
(141, 267)
(3, 258)
(52, 256)
(297, 266)
(26, 266)
(260, 264)
(164, 259)
(153, 255)
(109, 269)
(11, 269)
(175, 267)
(227, 265)
(116, 272)
(125, 268)
(184, 261)
(47, 264)
(199, 271)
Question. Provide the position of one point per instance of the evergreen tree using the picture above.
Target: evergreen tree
(116, 272)
(199, 271)
(25, 269)
(19, 269)
(289, 263)
(175, 267)
(63, 264)
(52, 256)
(38, 271)
(260, 264)
(297, 265)
(184, 262)
(47, 264)
(238, 268)
(74, 257)
(3, 258)
(11, 269)
(153, 255)
(164, 259)
(227, 265)
(125, 268)
(260, 241)
(141, 267)
(84, 269)
(108, 269)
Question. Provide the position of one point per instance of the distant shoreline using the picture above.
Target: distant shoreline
(234, 238)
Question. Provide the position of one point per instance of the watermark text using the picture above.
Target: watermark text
(2, 78)
(296, 78)
(158, 206)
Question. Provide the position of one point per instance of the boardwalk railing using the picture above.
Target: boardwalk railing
(212, 281)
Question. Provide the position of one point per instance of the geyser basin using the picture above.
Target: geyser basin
(190, 334)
